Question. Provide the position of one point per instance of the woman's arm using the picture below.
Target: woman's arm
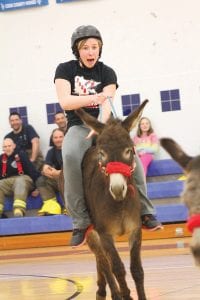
(108, 91)
(71, 102)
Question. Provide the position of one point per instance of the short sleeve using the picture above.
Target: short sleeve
(31, 132)
(109, 77)
(49, 157)
(64, 71)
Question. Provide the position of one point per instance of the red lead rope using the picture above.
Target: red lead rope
(118, 167)
(4, 165)
(193, 222)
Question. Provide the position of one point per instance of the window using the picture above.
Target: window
(51, 109)
(130, 103)
(170, 100)
(22, 111)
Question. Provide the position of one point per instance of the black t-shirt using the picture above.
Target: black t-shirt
(54, 158)
(24, 137)
(85, 81)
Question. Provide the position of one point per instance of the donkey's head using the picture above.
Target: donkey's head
(191, 193)
(115, 152)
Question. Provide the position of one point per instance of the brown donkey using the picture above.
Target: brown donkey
(191, 192)
(113, 202)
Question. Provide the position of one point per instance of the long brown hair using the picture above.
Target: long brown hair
(51, 136)
(139, 131)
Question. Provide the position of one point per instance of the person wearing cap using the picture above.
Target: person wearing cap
(87, 83)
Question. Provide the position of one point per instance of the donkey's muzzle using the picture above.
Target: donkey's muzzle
(118, 186)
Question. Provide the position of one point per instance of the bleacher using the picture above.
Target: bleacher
(163, 186)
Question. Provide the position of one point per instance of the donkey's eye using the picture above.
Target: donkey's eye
(128, 152)
(102, 155)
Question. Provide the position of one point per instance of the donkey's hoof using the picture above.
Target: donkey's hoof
(117, 297)
(98, 297)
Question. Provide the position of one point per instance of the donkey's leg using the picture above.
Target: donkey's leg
(117, 265)
(101, 282)
(104, 269)
(136, 263)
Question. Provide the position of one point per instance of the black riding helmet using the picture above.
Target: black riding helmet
(83, 32)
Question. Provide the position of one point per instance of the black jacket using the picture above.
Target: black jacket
(11, 165)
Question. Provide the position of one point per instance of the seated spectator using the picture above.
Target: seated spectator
(48, 184)
(61, 121)
(146, 142)
(17, 177)
(26, 138)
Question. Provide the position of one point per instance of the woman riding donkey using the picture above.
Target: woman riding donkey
(87, 83)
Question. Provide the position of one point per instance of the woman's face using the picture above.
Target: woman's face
(57, 138)
(144, 125)
(89, 52)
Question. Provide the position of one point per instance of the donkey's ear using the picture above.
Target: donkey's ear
(176, 152)
(130, 122)
(90, 121)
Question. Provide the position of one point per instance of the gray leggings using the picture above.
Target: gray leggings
(74, 146)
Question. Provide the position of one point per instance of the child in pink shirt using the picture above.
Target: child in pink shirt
(146, 142)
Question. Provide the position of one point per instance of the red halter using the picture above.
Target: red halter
(4, 165)
(118, 167)
(193, 222)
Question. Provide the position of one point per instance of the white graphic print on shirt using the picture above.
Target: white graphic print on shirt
(84, 86)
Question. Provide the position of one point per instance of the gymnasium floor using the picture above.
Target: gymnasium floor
(61, 273)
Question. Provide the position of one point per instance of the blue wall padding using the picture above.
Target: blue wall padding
(172, 213)
(165, 189)
(164, 167)
(28, 225)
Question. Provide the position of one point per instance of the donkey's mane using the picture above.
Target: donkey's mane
(113, 132)
(113, 121)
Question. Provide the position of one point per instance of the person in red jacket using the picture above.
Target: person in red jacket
(17, 177)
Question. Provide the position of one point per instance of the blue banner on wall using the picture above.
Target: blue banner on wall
(16, 4)
(63, 1)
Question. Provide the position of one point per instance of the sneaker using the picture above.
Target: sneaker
(79, 236)
(18, 213)
(150, 223)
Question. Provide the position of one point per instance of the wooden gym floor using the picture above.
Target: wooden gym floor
(61, 273)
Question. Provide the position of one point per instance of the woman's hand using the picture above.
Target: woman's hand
(99, 99)
(90, 134)
(47, 171)
(50, 172)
